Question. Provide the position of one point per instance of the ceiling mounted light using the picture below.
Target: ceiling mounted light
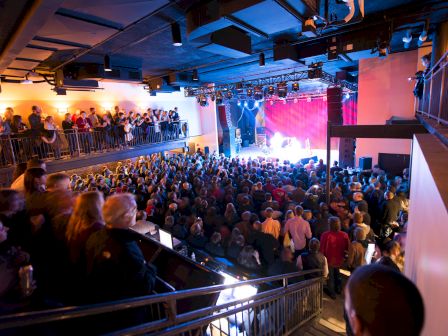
(107, 65)
(295, 86)
(424, 34)
(26, 81)
(383, 49)
(258, 92)
(195, 75)
(282, 90)
(229, 94)
(261, 60)
(176, 35)
(271, 90)
(250, 92)
(407, 39)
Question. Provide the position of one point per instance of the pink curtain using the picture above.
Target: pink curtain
(305, 120)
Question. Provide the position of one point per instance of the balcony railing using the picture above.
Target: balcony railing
(68, 144)
(434, 101)
(281, 309)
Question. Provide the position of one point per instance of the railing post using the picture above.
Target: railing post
(442, 88)
(430, 94)
(285, 306)
(11, 148)
(77, 142)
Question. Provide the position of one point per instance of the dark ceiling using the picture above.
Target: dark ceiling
(137, 34)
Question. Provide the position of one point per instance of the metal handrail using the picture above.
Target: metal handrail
(66, 144)
(434, 67)
(65, 313)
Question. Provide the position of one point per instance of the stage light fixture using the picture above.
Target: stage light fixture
(195, 75)
(308, 100)
(258, 92)
(347, 95)
(250, 92)
(26, 81)
(176, 35)
(423, 35)
(284, 102)
(383, 49)
(271, 90)
(256, 104)
(107, 64)
(60, 92)
(229, 94)
(282, 89)
(295, 86)
(245, 103)
(262, 60)
(238, 103)
(407, 39)
(295, 100)
(272, 102)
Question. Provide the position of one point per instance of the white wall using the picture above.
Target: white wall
(127, 96)
(426, 246)
(384, 91)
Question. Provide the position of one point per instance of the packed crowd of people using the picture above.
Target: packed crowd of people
(268, 217)
(84, 131)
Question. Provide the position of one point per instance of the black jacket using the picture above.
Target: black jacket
(116, 267)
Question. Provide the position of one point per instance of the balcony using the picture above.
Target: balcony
(74, 149)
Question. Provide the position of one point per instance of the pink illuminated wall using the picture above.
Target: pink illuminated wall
(384, 91)
(426, 246)
(305, 119)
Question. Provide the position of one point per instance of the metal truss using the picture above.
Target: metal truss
(238, 87)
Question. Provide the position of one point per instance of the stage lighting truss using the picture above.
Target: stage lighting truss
(266, 87)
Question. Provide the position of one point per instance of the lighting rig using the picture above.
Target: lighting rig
(285, 86)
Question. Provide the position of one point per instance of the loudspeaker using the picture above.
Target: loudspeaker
(393, 163)
(365, 163)
(334, 105)
(346, 152)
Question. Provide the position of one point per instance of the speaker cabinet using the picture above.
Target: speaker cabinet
(334, 105)
(365, 163)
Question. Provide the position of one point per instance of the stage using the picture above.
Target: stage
(254, 151)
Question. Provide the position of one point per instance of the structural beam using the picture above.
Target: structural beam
(377, 131)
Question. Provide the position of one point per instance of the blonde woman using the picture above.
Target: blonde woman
(86, 219)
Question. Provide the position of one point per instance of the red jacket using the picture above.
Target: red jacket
(334, 246)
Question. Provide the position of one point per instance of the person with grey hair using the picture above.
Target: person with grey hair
(116, 268)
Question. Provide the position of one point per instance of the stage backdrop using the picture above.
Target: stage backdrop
(306, 120)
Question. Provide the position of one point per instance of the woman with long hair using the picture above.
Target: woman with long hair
(86, 219)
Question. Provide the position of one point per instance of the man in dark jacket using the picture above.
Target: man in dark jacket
(390, 210)
(116, 267)
(264, 243)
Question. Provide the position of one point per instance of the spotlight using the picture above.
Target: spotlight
(284, 102)
(245, 104)
(407, 39)
(261, 60)
(308, 100)
(295, 86)
(383, 49)
(175, 33)
(60, 92)
(256, 104)
(250, 92)
(282, 90)
(26, 81)
(347, 95)
(295, 100)
(203, 100)
(271, 90)
(424, 34)
(229, 95)
(107, 65)
(238, 103)
(258, 92)
(272, 102)
(195, 75)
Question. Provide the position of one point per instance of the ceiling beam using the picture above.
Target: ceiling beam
(291, 10)
(30, 23)
(61, 42)
(377, 131)
(245, 26)
(88, 18)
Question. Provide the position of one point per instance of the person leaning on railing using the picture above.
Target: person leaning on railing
(69, 128)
